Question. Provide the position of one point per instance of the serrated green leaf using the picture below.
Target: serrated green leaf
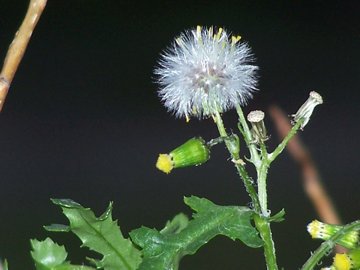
(164, 251)
(238, 223)
(94, 262)
(50, 256)
(57, 228)
(47, 253)
(102, 235)
(67, 203)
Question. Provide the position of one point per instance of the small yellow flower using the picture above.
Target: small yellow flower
(350, 261)
(320, 230)
(342, 262)
(193, 152)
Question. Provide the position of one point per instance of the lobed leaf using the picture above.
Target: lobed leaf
(50, 256)
(100, 234)
(163, 250)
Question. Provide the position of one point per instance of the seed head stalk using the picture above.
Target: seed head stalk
(240, 168)
(261, 222)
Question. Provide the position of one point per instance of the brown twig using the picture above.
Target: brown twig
(312, 183)
(18, 46)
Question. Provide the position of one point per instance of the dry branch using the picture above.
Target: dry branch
(18, 46)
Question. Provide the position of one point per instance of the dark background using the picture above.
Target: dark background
(83, 121)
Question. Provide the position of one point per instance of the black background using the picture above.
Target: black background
(83, 121)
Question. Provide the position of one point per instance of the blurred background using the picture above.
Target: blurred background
(83, 121)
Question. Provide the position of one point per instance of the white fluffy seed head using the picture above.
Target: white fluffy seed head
(205, 72)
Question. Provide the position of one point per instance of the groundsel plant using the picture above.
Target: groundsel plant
(204, 73)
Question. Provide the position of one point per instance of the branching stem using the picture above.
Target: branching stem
(261, 222)
(240, 168)
(285, 141)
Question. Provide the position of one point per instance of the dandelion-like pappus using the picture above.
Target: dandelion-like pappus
(204, 72)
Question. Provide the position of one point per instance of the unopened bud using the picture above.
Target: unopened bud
(324, 231)
(307, 108)
(258, 130)
(193, 152)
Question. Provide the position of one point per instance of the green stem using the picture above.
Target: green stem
(263, 227)
(328, 245)
(262, 188)
(262, 176)
(285, 141)
(261, 164)
(249, 187)
(261, 223)
(240, 168)
(245, 130)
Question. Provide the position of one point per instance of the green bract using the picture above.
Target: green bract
(193, 152)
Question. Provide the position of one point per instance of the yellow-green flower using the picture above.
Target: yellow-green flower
(324, 231)
(193, 152)
(350, 261)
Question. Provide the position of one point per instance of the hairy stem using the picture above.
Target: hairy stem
(18, 46)
(262, 188)
(261, 223)
(239, 167)
(263, 227)
(285, 141)
(255, 158)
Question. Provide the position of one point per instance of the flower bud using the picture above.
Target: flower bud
(258, 130)
(324, 231)
(193, 152)
(307, 108)
(347, 261)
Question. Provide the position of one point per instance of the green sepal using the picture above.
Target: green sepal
(165, 250)
(193, 152)
(354, 255)
(234, 145)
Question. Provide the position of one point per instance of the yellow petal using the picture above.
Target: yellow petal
(164, 163)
